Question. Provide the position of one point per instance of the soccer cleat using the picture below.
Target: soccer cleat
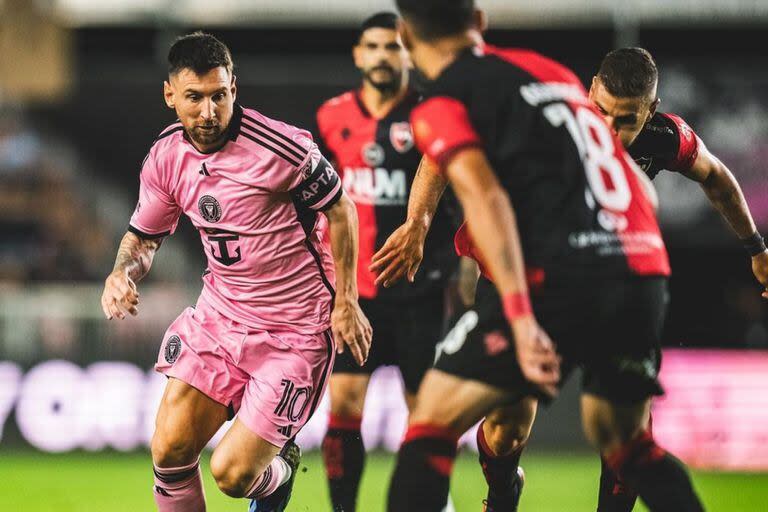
(509, 501)
(278, 500)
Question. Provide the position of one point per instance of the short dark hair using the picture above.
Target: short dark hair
(199, 52)
(433, 19)
(629, 73)
(383, 19)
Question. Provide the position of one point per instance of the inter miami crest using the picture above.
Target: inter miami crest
(172, 349)
(401, 136)
(209, 208)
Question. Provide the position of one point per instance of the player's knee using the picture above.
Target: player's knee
(504, 438)
(610, 427)
(507, 428)
(347, 401)
(171, 451)
(233, 478)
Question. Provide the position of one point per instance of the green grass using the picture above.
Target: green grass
(82, 482)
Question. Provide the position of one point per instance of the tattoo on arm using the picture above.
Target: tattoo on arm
(135, 255)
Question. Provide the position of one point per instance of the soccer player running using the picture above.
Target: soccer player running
(260, 341)
(367, 133)
(510, 126)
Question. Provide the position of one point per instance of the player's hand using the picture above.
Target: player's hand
(536, 355)
(760, 269)
(351, 329)
(120, 296)
(400, 255)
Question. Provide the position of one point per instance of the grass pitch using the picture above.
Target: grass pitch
(114, 482)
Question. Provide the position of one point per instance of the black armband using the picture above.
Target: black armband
(320, 189)
(754, 245)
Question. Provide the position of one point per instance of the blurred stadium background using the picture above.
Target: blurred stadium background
(80, 103)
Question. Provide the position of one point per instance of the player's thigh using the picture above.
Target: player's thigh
(347, 393)
(186, 420)
(453, 402)
(609, 425)
(240, 457)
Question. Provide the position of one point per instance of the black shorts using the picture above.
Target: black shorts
(611, 329)
(405, 333)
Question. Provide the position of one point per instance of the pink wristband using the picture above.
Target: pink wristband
(517, 305)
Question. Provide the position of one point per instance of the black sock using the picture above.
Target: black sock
(344, 458)
(614, 495)
(658, 477)
(499, 471)
(423, 472)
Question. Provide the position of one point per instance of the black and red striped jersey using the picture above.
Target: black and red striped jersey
(377, 161)
(581, 207)
(665, 143)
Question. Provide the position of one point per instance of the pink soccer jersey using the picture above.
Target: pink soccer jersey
(254, 203)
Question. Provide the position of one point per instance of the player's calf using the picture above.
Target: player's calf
(240, 472)
(501, 439)
(342, 446)
(630, 450)
(447, 406)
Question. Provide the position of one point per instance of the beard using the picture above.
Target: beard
(384, 78)
(207, 134)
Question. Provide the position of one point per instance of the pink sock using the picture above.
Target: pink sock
(277, 473)
(179, 489)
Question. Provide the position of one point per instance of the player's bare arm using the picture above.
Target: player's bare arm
(133, 261)
(725, 194)
(350, 326)
(401, 254)
(492, 224)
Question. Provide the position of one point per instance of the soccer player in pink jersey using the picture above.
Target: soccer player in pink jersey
(260, 341)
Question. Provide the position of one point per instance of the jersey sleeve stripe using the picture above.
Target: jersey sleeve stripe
(147, 236)
(282, 136)
(279, 153)
(330, 199)
(265, 135)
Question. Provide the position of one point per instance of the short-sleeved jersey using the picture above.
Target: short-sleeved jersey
(665, 143)
(377, 160)
(582, 210)
(255, 203)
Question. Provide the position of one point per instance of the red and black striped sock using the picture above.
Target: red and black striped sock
(657, 476)
(344, 458)
(614, 495)
(423, 472)
(499, 471)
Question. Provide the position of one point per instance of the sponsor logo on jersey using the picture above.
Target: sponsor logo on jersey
(172, 349)
(401, 136)
(209, 208)
(376, 186)
(373, 154)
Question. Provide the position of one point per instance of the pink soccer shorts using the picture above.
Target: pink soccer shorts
(272, 380)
